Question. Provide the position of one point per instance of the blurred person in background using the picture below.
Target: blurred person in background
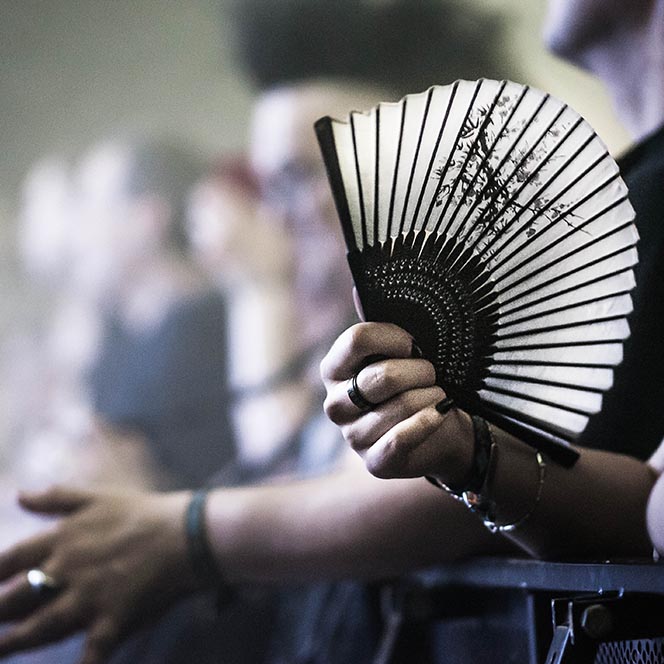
(159, 381)
(333, 527)
(51, 415)
(162, 322)
(131, 313)
(250, 260)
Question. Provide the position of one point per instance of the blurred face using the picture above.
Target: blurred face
(217, 216)
(286, 158)
(112, 235)
(573, 26)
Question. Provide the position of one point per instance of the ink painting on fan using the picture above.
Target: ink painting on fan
(488, 219)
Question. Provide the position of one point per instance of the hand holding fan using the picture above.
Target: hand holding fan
(488, 220)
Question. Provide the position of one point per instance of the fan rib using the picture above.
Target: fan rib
(545, 346)
(359, 182)
(471, 151)
(434, 152)
(526, 126)
(396, 168)
(569, 212)
(625, 273)
(561, 275)
(478, 170)
(567, 307)
(562, 238)
(417, 152)
(490, 222)
(502, 185)
(597, 355)
(376, 178)
(544, 381)
(541, 212)
(551, 417)
(552, 363)
(327, 139)
(530, 397)
(561, 326)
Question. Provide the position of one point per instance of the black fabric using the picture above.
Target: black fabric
(170, 385)
(632, 416)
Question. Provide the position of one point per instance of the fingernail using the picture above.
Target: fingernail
(416, 351)
(445, 405)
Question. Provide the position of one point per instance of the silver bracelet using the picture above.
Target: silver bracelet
(481, 504)
(488, 516)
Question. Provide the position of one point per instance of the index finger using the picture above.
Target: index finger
(360, 341)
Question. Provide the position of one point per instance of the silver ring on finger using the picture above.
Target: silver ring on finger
(42, 584)
(356, 396)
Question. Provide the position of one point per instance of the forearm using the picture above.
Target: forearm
(597, 509)
(347, 524)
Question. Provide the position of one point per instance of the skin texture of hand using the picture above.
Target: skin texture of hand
(404, 435)
(98, 554)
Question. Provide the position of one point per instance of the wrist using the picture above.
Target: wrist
(459, 447)
(169, 510)
(515, 480)
(202, 561)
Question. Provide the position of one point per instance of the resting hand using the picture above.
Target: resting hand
(119, 559)
(402, 434)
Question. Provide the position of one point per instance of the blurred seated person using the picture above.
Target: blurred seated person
(284, 273)
(250, 260)
(160, 373)
(132, 313)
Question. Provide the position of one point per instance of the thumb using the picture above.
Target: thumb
(55, 500)
(358, 305)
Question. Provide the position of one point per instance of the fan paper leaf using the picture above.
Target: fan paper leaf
(489, 220)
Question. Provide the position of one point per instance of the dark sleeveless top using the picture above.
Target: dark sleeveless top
(632, 416)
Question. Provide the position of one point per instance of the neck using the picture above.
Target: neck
(632, 67)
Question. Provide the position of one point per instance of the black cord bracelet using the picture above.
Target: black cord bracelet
(200, 555)
(474, 480)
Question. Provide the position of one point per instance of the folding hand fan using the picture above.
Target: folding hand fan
(488, 219)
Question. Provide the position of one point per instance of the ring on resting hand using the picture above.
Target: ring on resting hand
(357, 397)
(42, 584)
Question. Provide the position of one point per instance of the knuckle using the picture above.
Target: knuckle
(102, 637)
(323, 367)
(388, 462)
(429, 372)
(58, 564)
(333, 409)
(355, 441)
(388, 376)
(359, 337)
